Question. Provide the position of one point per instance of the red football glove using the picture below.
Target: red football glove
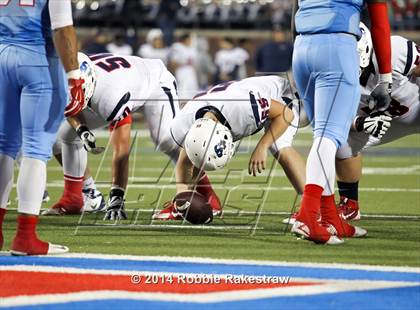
(77, 96)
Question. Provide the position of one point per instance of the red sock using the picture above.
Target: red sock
(204, 188)
(311, 203)
(72, 199)
(26, 240)
(2, 214)
(329, 215)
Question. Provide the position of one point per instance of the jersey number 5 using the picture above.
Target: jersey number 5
(21, 2)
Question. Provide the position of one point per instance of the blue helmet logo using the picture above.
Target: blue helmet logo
(219, 148)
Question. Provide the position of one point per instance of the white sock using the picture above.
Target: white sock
(31, 185)
(74, 160)
(320, 167)
(89, 183)
(6, 179)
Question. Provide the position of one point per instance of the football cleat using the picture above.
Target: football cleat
(93, 200)
(169, 212)
(215, 205)
(66, 205)
(322, 236)
(46, 197)
(348, 209)
(37, 249)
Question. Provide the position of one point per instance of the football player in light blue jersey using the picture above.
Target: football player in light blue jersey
(33, 96)
(326, 70)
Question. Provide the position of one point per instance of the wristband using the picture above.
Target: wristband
(74, 74)
(385, 77)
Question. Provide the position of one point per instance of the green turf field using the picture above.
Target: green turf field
(251, 227)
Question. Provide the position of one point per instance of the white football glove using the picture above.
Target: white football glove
(88, 140)
(376, 126)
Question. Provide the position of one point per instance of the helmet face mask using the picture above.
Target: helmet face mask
(209, 144)
(87, 71)
(365, 47)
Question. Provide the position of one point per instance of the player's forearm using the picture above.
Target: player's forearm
(183, 172)
(381, 36)
(278, 126)
(120, 160)
(65, 41)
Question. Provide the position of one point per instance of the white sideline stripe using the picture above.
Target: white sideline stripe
(214, 297)
(160, 226)
(209, 260)
(60, 184)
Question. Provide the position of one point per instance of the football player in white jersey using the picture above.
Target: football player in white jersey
(115, 87)
(208, 127)
(404, 112)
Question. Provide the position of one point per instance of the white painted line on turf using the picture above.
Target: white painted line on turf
(214, 297)
(208, 260)
(60, 184)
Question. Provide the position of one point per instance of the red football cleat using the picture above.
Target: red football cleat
(349, 209)
(215, 204)
(169, 212)
(334, 223)
(68, 204)
(26, 241)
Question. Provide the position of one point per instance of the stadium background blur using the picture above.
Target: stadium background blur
(230, 39)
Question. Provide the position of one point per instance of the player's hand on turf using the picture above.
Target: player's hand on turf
(374, 125)
(87, 137)
(115, 206)
(381, 94)
(76, 93)
(258, 160)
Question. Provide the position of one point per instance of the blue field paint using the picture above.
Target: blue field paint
(212, 268)
(398, 298)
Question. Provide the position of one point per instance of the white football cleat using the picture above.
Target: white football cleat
(303, 231)
(359, 232)
(53, 249)
(93, 201)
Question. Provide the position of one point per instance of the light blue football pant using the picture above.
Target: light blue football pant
(33, 94)
(326, 71)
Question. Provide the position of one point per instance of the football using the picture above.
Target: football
(194, 207)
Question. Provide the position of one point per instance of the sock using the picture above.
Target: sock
(89, 183)
(329, 215)
(311, 202)
(26, 239)
(349, 190)
(320, 167)
(2, 214)
(204, 188)
(6, 179)
(31, 185)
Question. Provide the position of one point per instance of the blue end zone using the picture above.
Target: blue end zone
(212, 268)
(400, 298)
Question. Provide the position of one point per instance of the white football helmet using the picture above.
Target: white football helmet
(87, 70)
(209, 144)
(365, 46)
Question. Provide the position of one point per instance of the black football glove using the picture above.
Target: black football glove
(88, 140)
(115, 206)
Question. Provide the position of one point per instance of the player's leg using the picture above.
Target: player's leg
(306, 224)
(10, 129)
(42, 107)
(337, 95)
(74, 162)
